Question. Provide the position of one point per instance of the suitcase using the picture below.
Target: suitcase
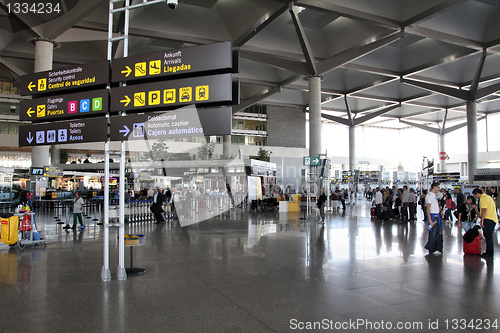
(473, 247)
(372, 212)
(9, 230)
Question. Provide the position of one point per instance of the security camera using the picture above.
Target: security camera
(172, 3)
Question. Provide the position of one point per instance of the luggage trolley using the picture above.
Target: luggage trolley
(28, 232)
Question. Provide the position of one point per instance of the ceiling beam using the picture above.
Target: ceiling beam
(486, 91)
(304, 43)
(477, 77)
(57, 26)
(422, 127)
(291, 65)
(255, 99)
(442, 36)
(349, 114)
(13, 68)
(459, 126)
(360, 120)
(263, 22)
(354, 53)
(447, 91)
(437, 9)
(336, 119)
(349, 13)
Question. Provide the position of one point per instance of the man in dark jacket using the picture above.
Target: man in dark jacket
(460, 197)
(156, 207)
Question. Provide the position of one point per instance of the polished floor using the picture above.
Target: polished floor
(252, 272)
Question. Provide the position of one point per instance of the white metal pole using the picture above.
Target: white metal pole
(120, 271)
(105, 271)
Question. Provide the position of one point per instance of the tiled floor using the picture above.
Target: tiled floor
(250, 272)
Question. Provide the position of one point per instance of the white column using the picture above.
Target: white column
(226, 146)
(352, 148)
(44, 51)
(314, 115)
(472, 160)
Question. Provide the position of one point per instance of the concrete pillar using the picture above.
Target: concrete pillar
(226, 146)
(44, 51)
(472, 160)
(442, 149)
(352, 148)
(314, 115)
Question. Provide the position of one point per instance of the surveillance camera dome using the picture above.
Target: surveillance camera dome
(172, 4)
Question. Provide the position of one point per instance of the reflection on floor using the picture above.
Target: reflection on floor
(250, 272)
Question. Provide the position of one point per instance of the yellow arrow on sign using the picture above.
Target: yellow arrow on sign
(126, 100)
(127, 72)
(30, 112)
(31, 86)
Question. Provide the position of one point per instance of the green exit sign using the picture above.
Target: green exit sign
(311, 160)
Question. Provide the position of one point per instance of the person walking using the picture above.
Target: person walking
(489, 219)
(448, 216)
(412, 205)
(435, 239)
(77, 212)
(156, 206)
(321, 205)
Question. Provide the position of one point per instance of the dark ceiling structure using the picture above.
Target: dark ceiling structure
(386, 63)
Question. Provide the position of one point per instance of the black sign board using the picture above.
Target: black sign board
(216, 57)
(158, 95)
(63, 132)
(185, 122)
(75, 105)
(71, 78)
(36, 171)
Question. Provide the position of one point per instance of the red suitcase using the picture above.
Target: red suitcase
(473, 247)
(372, 211)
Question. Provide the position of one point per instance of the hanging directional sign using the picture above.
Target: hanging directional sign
(185, 122)
(71, 78)
(188, 60)
(76, 105)
(311, 160)
(198, 90)
(76, 131)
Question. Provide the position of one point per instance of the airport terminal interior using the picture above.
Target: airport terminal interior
(218, 165)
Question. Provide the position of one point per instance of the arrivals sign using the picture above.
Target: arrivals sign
(70, 78)
(70, 131)
(188, 60)
(76, 105)
(186, 122)
(198, 90)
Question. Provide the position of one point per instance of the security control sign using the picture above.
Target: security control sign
(198, 90)
(76, 105)
(188, 60)
(185, 122)
(76, 131)
(79, 76)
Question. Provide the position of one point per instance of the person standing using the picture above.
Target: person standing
(77, 212)
(412, 205)
(423, 205)
(460, 197)
(156, 206)
(448, 216)
(434, 220)
(467, 214)
(405, 200)
(321, 205)
(378, 203)
(489, 219)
